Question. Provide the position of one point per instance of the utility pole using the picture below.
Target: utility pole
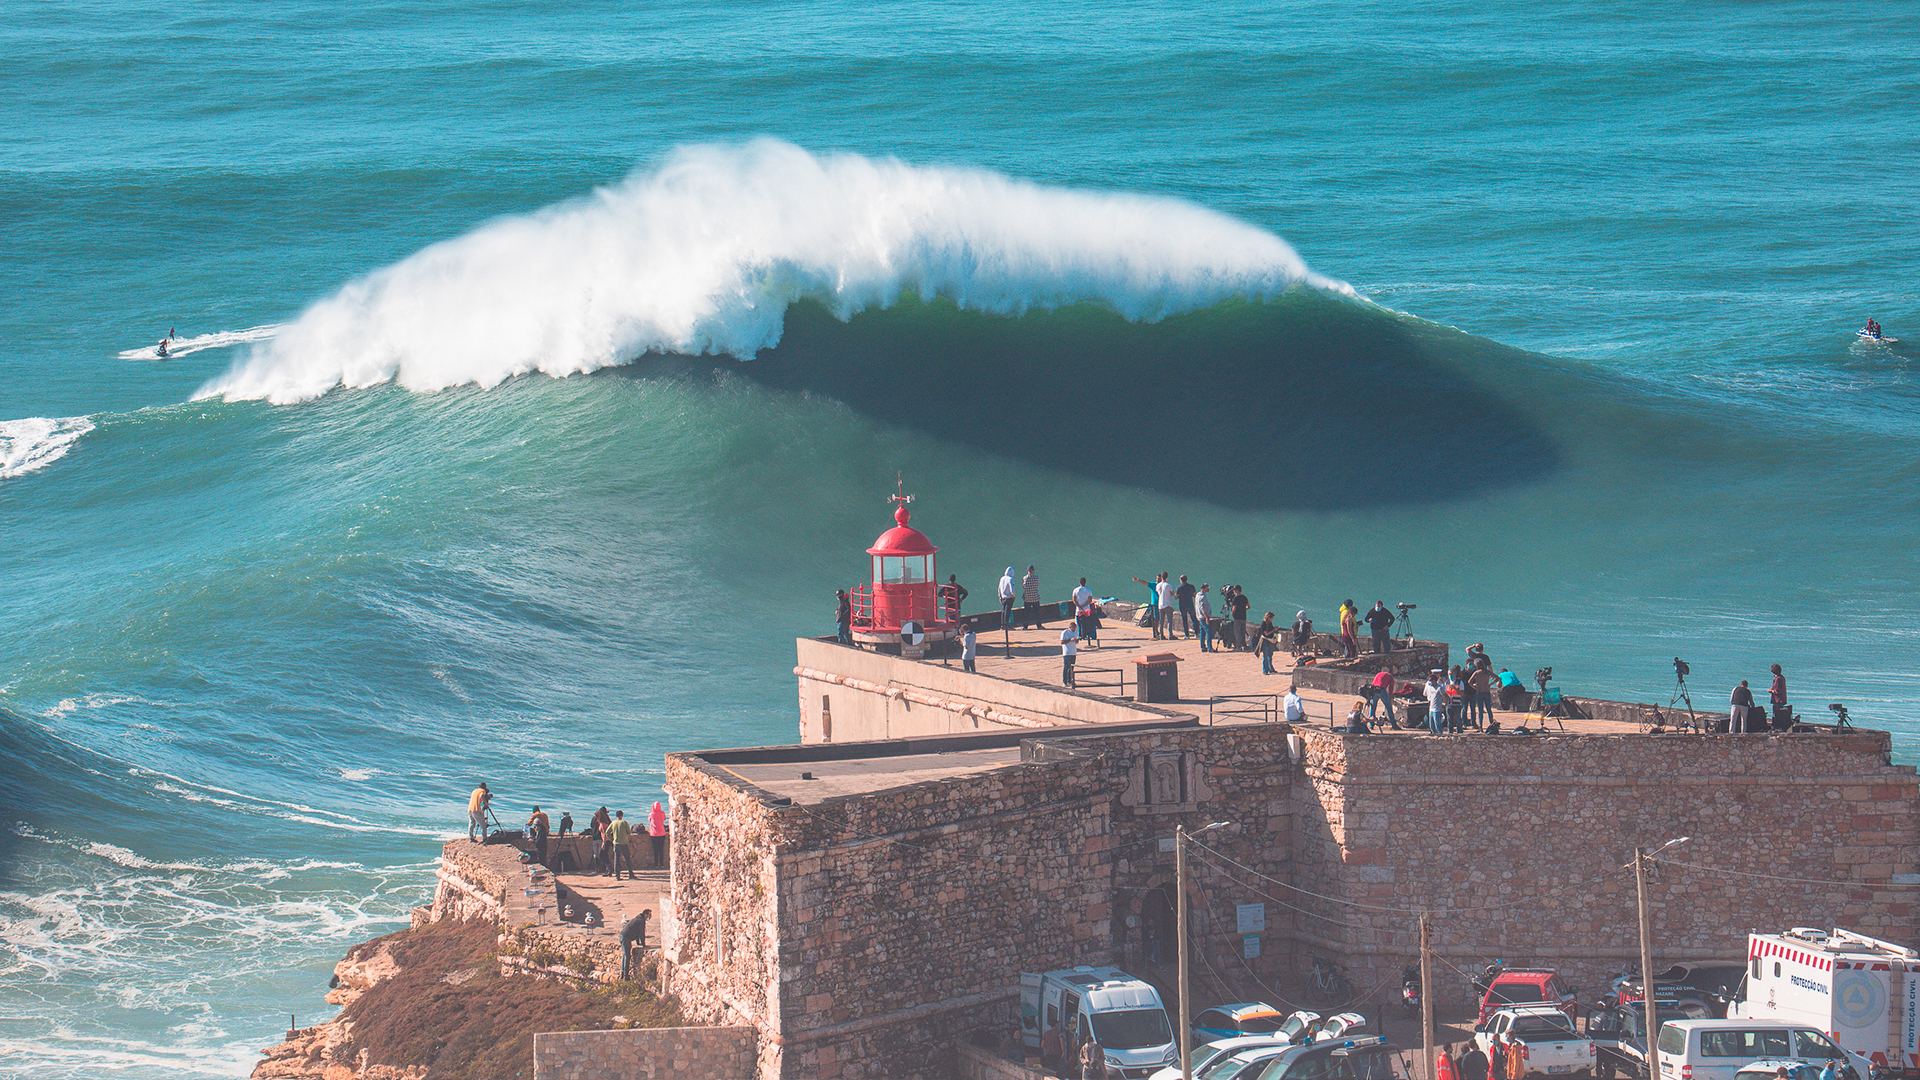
(1426, 992)
(1646, 962)
(1641, 857)
(1185, 1020)
(1180, 930)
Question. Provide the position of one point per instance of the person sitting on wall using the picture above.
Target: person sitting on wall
(1357, 719)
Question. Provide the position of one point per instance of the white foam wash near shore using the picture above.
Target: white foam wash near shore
(704, 255)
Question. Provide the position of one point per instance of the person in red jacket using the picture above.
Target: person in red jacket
(657, 832)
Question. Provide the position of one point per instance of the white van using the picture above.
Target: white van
(1716, 1049)
(1123, 1012)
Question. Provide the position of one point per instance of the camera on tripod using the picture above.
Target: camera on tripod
(1543, 676)
(1840, 715)
(1680, 668)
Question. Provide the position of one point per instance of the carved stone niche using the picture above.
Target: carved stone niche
(1165, 782)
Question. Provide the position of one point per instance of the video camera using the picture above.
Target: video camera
(1543, 676)
(1840, 715)
(1405, 607)
(1680, 668)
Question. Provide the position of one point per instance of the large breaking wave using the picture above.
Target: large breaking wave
(705, 254)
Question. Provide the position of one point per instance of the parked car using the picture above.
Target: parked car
(1365, 1058)
(1527, 986)
(1340, 1026)
(1702, 991)
(1241, 1018)
(1220, 1050)
(1620, 1037)
(1243, 1064)
(1549, 1046)
(1717, 1049)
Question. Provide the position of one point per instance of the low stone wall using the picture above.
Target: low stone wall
(692, 1053)
(972, 1063)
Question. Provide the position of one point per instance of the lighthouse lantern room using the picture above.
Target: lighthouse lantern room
(905, 591)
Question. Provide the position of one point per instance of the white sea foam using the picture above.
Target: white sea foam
(704, 255)
(200, 343)
(37, 442)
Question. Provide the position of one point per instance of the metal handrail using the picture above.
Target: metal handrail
(1081, 682)
(1265, 706)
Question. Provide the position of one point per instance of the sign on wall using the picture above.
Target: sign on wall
(1252, 918)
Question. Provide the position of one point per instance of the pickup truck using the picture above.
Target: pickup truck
(1619, 1034)
(1548, 1044)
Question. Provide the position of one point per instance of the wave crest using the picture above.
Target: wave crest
(705, 254)
(38, 441)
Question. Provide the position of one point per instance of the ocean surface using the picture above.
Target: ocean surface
(538, 373)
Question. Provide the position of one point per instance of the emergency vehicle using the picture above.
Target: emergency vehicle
(1863, 992)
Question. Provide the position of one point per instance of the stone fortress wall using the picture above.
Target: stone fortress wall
(861, 935)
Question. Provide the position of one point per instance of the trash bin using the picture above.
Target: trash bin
(1158, 678)
(1413, 714)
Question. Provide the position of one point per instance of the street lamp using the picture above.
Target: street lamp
(1641, 857)
(1180, 835)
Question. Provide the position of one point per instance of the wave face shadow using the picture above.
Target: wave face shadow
(1304, 402)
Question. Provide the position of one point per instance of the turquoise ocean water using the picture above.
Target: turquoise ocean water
(540, 373)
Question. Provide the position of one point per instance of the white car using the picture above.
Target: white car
(1220, 1051)
(1548, 1044)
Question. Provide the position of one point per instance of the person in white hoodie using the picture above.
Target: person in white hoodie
(1006, 598)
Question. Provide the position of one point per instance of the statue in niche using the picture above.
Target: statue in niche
(1163, 779)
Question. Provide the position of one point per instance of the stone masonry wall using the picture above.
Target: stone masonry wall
(904, 918)
(1521, 847)
(703, 1053)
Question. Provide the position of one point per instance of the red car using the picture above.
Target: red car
(1527, 986)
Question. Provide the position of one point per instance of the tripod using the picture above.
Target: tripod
(1679, 695)
(1404, 627)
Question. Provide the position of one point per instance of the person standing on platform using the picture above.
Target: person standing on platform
(1169, 602)
(1069, 645)
(537, 826)
(1436, 693)
(1381, 694)
(618, 835)
(1777, 696)
(1302, 634)
(1237, 603)
(1349, 630)
(1153, 605)
(1084, 620)
(1030, 593)
(969, 649)
(1203, 601)
(597, 828)
(952, 595)
(657, 832)
(843, 616)
(1380, 621)
(1266, 640)
(477, 814)
(1740, 720)
(1185, 594)
(1480, 696)
(1006, 598)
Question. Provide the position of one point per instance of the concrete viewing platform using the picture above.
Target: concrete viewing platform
(1219, 686)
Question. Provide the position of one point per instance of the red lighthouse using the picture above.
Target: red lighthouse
(905, 588)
